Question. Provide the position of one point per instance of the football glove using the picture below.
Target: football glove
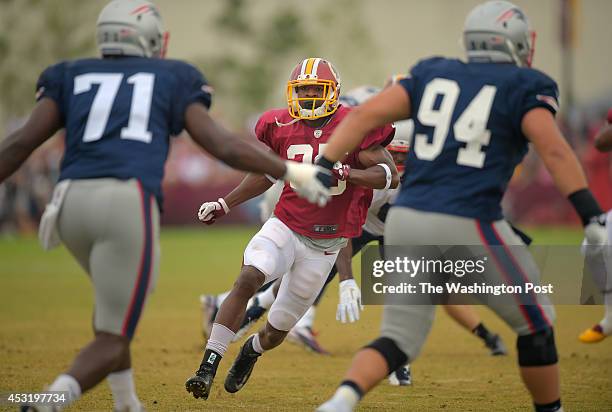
(350, 301)
(305, 182)
(210, 211)
(595, 231)
(341, 172)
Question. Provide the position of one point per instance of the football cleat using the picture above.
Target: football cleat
(401, 377)
(252, 315)
(306, 337)
(199, 385)
(592, 335)
(209, 306)
(240, 371)
(496, 346)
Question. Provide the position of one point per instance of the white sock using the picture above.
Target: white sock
(346, 398)
(123, 389)
(220, 338)
(606, 322)
(221, 297)
(66, 383)
(307, 320)
(266, 298)
(257, 344)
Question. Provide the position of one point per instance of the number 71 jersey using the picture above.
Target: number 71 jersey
(467, 133)
(119, 114)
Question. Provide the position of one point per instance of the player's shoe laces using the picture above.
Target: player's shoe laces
(592, 335)
(240, 371)
(401, 377)
(199, 385)
(306, 337)
(496, 345)
(208, 304)
(252, 315)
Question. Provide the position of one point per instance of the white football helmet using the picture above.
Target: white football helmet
(131, 28)
(498, 31)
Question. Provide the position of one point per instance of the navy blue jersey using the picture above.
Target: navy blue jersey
(119, 114)
(467, 133)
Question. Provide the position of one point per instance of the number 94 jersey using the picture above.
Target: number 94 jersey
(119, 114)
(467, 136)
(294, 140)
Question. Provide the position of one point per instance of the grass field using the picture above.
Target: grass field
(45, 313)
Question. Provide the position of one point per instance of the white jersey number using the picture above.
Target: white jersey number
(104, 99)
(307, 151)
(470, 127)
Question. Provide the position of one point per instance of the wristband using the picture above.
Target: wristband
(388, 175)
(323, 162)
(585, 204)
(223, 205)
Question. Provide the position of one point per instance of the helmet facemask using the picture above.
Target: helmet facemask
(322, 86)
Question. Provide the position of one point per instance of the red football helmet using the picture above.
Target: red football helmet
(313, 71)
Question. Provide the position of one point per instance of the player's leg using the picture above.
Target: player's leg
(600, 266)
(467, 317)
(297, 292)
(532, 320)
(268, 256)
(404, 328)
(123, 264)
(303, 332)
(257, 307)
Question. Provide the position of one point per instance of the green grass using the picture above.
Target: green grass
(45, 317)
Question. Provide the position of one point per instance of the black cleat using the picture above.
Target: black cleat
(496, 346)
(240, 371)
(199, 385)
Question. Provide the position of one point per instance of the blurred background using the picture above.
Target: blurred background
(247, 49)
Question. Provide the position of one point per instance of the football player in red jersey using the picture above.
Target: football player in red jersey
(301, 240)
(601, 268)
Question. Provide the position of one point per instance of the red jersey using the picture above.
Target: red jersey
(299, 142)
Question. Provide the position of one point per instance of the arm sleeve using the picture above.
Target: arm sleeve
(538, 90)
(261, 132)
(191, 87)
(51, 84)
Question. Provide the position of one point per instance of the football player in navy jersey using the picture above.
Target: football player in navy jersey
(473, 123)
(119, 112)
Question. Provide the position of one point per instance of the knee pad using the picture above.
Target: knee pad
(393, 355)
(286, 310)
(537, 349)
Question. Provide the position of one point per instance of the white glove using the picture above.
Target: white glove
(350, 301)
(210, 211)
(595, 232)
(303, 176)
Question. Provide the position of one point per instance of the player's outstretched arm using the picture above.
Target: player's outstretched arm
(44, 121)
(228, 147)
(603, 140)
(375, 176)
(540, 128)
(388, 106)
(249, 157)
(252, 185)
